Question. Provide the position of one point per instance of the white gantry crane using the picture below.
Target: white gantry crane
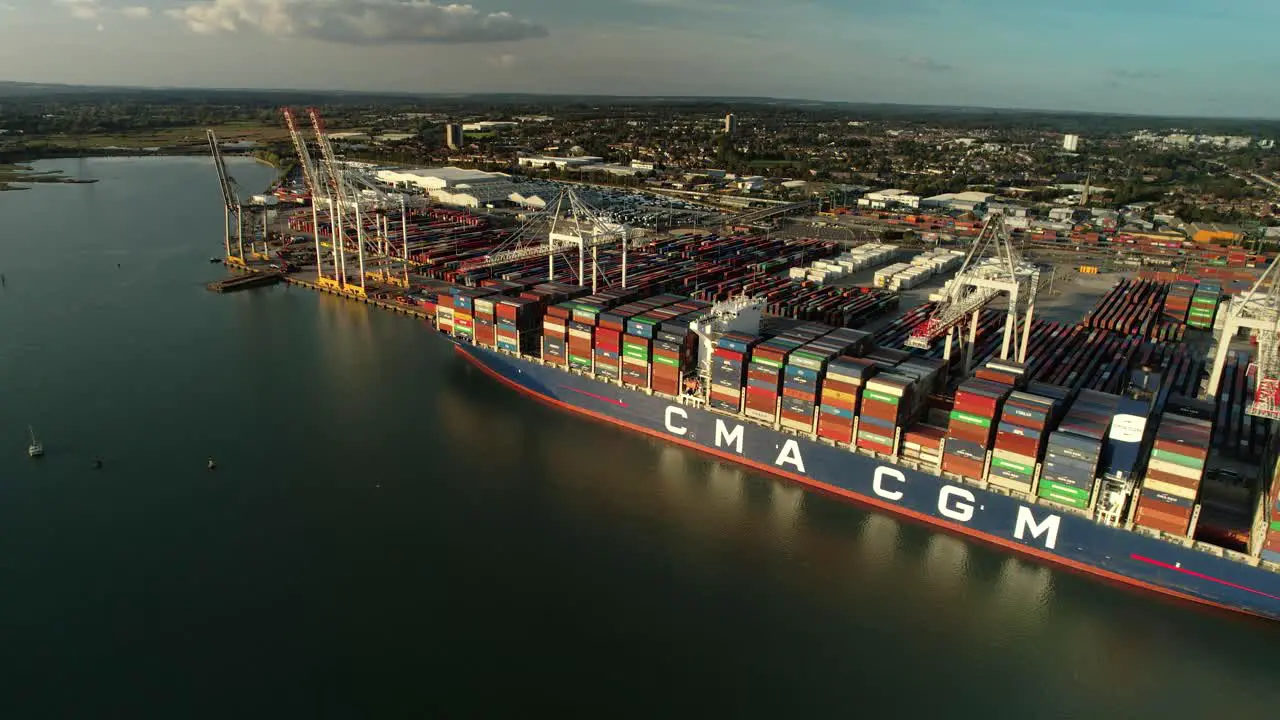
(351, 199)
(385, 263)
(979, 282)
(234, 219)
(574, 223)
(314, 186)
(1259, 311)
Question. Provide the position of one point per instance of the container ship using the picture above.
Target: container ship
(1108, 484)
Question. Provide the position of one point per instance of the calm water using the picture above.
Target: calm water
(389, 533)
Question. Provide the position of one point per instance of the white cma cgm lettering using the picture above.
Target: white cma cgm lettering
(1048, 527)
(878, 488)
(666, 419)
(789, 454)
(961, 511)
(725, 437)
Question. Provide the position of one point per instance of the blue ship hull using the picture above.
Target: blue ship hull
(1034, 529)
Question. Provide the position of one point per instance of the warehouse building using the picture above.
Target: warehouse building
(889, 198)
(974, 202)
(453, 186)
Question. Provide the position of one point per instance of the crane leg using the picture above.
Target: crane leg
(1026, 333)
(1010, 330)
(1220, 357)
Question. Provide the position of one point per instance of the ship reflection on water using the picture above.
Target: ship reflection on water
(817, 545)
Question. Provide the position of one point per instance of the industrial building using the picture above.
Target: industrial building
(1212, 232)
(549, 161)
(891, 197)
(488, 125)
(974, 202)
(453, 186)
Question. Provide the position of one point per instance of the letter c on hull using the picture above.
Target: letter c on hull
(671, 427)
(878, 488)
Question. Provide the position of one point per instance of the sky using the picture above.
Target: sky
(1179, 57)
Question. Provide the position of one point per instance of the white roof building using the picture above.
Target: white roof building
(546, 161)
(429, 179)
(890, 197)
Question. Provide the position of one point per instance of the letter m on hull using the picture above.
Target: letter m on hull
(1027, 525)
(726, 438)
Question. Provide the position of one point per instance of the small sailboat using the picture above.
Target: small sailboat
(36, 448)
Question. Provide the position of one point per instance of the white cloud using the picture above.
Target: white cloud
(82, 9)
(94, 10)
(358, 21)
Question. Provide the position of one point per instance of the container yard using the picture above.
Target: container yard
(1104, 420)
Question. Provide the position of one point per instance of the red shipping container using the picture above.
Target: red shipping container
(1168, 510)
(1018, 444)
(962, 466)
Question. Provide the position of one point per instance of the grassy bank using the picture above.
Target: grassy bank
(167, 138)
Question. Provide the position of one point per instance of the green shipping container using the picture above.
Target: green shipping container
(1175, 458)
(879, 397)
(580, 360)
(971, 419)
(1013, 466)
(1077, 494)
(872, 437)
(666, 361)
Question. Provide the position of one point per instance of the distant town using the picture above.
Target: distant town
(1052, 175)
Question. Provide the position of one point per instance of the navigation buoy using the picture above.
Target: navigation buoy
(212, 465)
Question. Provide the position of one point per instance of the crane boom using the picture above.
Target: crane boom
(948, 316)
(1259, 311)
(229, 197)
(304, 155)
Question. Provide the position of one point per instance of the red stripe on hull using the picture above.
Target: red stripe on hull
(1202, 576)
(601, 398)
(1045, 557)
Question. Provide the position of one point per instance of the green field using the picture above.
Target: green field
(167, 138)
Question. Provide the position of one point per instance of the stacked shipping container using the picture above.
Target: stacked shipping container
(969, 432)
(1024, 426)
(728, 370)
(1204, 305)
(1178, 302)
(841, 390)
(1075, 450)
(886, 405)
(1171, 484)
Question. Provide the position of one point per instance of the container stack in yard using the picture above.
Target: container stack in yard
(1204, 305)
(1178, 302)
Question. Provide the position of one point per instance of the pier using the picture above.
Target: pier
(246, 281)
